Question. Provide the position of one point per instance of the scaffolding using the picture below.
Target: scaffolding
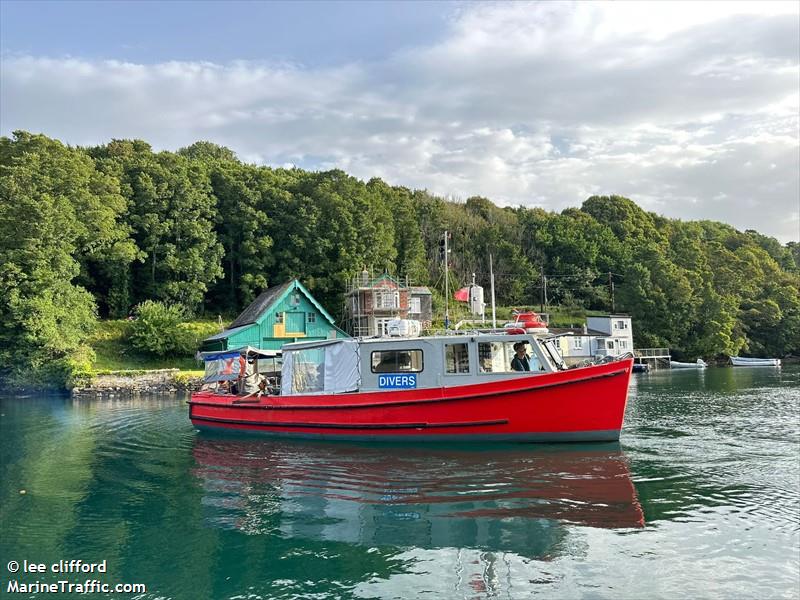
(371, 301)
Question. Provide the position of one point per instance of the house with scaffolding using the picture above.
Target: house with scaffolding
(372, 302)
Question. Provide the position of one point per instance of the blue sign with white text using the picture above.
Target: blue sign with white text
(397, 382)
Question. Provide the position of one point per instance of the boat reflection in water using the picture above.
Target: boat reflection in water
(507, 498)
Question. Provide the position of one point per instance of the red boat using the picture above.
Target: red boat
(448, 388)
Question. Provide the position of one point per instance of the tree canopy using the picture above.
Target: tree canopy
(100, 230)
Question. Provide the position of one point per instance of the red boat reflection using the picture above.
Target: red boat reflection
(503, 498)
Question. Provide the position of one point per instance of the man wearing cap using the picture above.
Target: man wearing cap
(520, 360)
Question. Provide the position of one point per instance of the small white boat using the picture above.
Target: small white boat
(700, 364)
(740, 361)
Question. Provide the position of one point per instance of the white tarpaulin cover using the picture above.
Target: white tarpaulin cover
(342, 371)
(327, 368)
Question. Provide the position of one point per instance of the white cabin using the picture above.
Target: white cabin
(607, 335)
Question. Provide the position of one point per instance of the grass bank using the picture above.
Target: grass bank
(113, 352)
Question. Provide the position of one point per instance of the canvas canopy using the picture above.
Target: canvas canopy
(224, 367)
(327, 367)
(230, 364)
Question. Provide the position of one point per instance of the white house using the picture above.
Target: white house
(608, 335)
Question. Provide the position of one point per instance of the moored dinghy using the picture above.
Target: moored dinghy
(444, 388)
(699, 364)
(740, 361)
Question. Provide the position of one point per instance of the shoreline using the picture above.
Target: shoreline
(134, 383)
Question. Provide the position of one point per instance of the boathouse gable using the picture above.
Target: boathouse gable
(281, 314)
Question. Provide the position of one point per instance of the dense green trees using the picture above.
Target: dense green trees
(45, 191)
(104, 229)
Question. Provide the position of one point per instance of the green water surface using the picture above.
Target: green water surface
(701, 499)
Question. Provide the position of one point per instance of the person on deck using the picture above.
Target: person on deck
(520, 361)
(261, 390)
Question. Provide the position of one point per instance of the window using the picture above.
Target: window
(610, 344)
(495, 357)
(456, 358)
(308, 371)
(577, 343)
(295, 300)
(623, 344)
(397, 361)
(622, 325)
(382, 326)
(312, 317)
(387, 299)
(279, 317)
(415, 306)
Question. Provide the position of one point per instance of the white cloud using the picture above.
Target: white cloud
(691, 109)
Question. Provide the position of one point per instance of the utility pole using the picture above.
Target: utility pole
(541, 304)
(491, 275)
(545, 292)
(611, 289)
(446, 286)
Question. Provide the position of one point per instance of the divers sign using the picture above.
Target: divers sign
(397, 382)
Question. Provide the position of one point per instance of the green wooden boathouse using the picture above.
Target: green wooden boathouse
(280, 315)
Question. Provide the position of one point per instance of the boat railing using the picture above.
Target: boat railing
(448, 332)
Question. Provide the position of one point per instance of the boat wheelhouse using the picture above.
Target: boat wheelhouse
(442, 388)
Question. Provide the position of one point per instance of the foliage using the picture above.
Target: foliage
(111, 344)
(172, 213)
(158, 330)
(45, 316)
(108, 228)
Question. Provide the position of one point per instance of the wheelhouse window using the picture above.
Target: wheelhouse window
(456, 359)
(496, 357)
(397, 361)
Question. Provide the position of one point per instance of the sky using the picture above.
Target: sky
(691, 109)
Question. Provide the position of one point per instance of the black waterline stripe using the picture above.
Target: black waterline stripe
(353, 425)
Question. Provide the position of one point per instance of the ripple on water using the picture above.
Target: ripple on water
(700, 500)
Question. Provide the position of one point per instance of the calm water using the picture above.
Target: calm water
(700, 500)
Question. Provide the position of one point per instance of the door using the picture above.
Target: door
(295, 322)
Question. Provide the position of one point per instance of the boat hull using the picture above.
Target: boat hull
(673, 364)
(578, 405)
(737, 361)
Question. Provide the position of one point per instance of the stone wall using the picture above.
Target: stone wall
(132, 383)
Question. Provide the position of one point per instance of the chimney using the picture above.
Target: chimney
(585, 329)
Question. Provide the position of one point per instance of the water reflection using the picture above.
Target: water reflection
(510, 498)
